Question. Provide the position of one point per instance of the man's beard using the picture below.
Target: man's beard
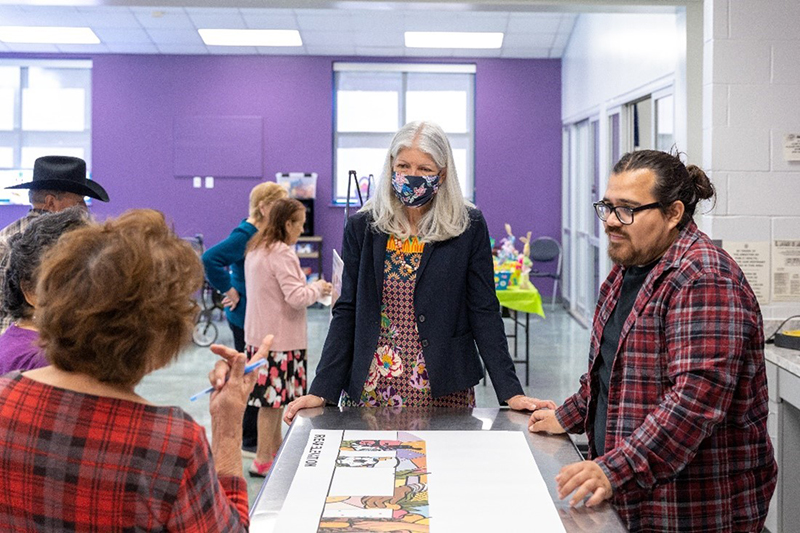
(621, 252)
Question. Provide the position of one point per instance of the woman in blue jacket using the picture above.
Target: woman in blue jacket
(224, 268)
(417, 293)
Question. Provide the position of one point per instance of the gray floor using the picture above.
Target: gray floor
(558, 358)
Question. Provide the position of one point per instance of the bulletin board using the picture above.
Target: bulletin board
(218, 146)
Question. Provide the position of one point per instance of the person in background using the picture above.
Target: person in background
(278, 296)
(224, 267)
(59, 182)
(19, 348)
(79, 449)
(675, 399)
(417, 293)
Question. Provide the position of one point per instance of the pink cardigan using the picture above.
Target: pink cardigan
(277, 297)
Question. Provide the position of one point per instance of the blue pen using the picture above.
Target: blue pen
(249, 368)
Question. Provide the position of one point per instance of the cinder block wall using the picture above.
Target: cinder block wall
(751, 98)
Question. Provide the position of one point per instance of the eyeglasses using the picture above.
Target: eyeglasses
(624, 214)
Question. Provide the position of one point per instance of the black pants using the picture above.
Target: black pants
(250, 421)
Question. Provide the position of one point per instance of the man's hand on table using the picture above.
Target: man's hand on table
(583, 479)
(545, 420)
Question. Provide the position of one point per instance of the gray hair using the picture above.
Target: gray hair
(26, 252)
(37, 196)
(448, 216)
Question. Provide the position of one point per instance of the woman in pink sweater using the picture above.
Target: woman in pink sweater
(277, 297)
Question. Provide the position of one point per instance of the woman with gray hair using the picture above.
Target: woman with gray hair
(417, 293)
(19, 344)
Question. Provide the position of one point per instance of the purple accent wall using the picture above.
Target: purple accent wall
(137, 98)
(518, 147)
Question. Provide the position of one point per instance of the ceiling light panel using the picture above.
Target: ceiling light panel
(47, 35)
(226, 37)
(453, 39)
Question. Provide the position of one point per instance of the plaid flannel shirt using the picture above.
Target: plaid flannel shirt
(77, 462)
(18, 226)
(686, 433)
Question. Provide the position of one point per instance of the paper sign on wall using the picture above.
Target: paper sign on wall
(791, 146)
(753, 258)
(786, 270)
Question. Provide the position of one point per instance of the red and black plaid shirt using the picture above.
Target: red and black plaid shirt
(77, 462)
(686, 434)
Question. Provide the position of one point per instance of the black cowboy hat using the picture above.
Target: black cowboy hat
(63, 173)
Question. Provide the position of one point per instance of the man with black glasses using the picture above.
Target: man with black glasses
(675, 400)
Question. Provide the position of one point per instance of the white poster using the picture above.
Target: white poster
(791, 147)
(336, 277)
(786, 270)
(420, 481)
(753, 259)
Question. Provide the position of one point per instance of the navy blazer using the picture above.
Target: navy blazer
(454, 302)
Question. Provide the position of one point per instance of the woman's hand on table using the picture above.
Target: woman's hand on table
(303, 402)
(521, 402)
(583, 478)
(545, 420)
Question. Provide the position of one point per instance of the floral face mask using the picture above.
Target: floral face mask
(415, 191)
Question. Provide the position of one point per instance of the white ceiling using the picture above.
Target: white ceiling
(338, 28)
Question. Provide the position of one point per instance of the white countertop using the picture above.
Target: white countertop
(785, 358)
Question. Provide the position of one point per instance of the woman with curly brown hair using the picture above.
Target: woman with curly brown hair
(79, 449)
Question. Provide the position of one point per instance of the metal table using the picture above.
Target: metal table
(514, 301)
(551, 452)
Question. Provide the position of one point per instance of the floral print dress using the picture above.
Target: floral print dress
(397, 375)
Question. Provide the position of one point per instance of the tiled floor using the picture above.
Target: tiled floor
(558, 358)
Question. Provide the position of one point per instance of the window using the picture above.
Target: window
(45, 109)
(665, 123)
(372, 101)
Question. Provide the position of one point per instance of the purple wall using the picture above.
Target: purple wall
(136, 98)
(518, 146)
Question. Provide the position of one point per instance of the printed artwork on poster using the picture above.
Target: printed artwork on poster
(414, 482)
(786, 270)
(378, 485)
